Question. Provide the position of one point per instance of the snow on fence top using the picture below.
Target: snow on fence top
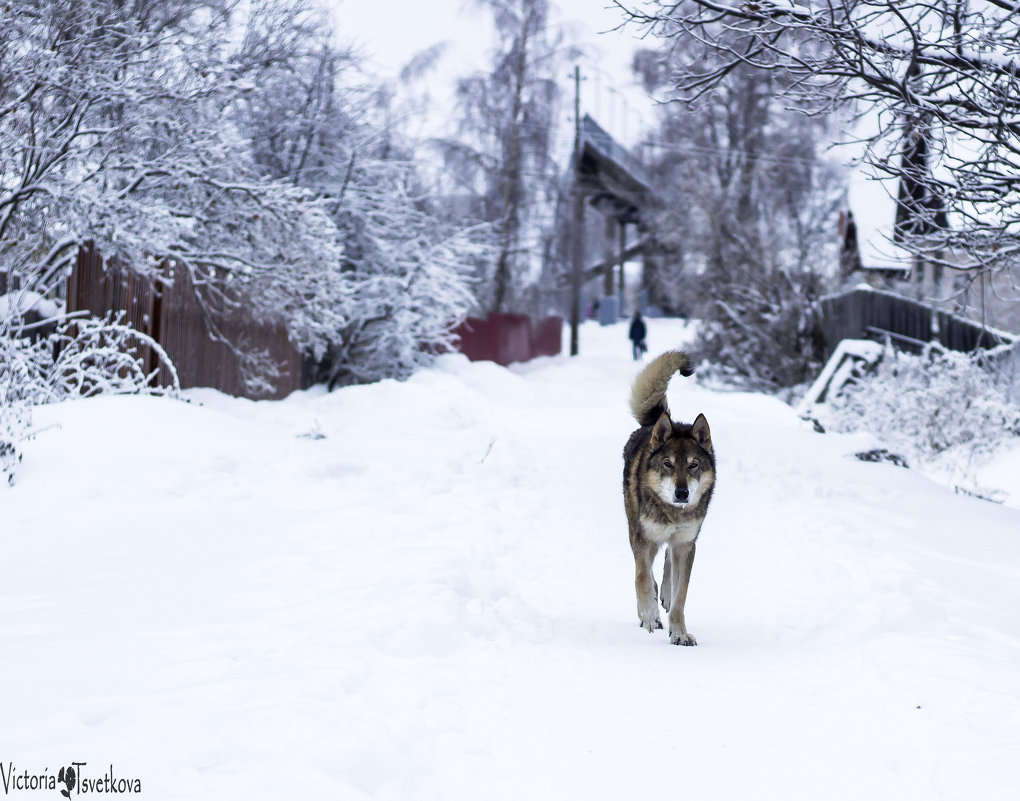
(862, 313)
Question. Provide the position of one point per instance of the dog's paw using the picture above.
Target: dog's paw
(648, 613)
(682, 639)
(650, 624)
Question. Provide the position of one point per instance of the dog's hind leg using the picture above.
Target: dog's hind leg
(644, 583)
(682, 558)
(666, 596)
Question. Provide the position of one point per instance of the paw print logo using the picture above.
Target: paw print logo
(68, 777)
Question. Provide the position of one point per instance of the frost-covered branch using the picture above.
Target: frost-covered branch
(944, 74)
(82, 357)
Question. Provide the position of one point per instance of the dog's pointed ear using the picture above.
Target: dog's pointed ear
(663, 428)
(701, 433)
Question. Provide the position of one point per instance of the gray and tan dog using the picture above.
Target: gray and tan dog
(668, 477)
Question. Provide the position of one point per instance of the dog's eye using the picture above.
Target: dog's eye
(667, 464)
(694, 465)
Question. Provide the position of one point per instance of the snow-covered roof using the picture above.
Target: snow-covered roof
(22, 300)
(872, 202)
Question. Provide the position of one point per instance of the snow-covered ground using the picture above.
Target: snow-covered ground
(424, 590)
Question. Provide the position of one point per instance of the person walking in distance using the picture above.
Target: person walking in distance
(637, 334)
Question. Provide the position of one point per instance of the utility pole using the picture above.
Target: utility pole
(577, 227)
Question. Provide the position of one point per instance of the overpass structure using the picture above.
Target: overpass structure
(619, 187)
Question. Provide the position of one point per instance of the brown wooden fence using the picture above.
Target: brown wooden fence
(871, 314)
(508, 338)
(165, 308)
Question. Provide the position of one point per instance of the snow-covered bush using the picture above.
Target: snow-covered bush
(410, 275)
(743, 236)
(927, 404)
(15, 420)
(83, 357)
(762, 332)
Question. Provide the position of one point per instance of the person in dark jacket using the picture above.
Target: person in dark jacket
(637, 334)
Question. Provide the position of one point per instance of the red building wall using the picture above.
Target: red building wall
(509, 338)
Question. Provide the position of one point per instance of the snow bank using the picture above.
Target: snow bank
(434, 600)
(946, 415)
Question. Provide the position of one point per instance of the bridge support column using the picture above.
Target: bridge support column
(610, 257)
(622, 251)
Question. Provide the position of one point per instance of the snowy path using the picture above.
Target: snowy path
(435, 601)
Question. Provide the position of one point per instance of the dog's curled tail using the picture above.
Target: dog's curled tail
(648, 396)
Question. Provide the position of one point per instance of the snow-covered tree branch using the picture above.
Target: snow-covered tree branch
(116, 126)
(935, 84)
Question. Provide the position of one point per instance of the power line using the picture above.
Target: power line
(670, 147)
(562, 136)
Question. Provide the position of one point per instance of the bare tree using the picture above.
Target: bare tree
(503, 155)
(744, 236)
(304, 112)
(937, 79)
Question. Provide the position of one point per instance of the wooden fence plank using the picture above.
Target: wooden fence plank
(164, 306)
(851, 315)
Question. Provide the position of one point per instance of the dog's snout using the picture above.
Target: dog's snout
(682, 494)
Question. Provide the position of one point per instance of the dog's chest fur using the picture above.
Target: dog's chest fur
(665, 532)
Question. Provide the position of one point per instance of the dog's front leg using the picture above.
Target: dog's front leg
(644, 583)
(682, 558)
(666, 596)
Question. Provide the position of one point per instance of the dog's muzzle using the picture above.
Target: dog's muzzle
(682, 495)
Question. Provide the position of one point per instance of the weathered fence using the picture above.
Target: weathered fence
(508, 338)
(165, 307)
(868, 313)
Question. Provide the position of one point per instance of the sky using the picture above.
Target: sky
(609, 92)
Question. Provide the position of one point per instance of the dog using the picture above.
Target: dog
(668, 478)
